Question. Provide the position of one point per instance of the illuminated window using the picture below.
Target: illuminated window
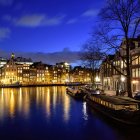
(133, 73)
(137, 72)
(137, 60)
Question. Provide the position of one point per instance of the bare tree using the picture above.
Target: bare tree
(120, 20)
(91, 57)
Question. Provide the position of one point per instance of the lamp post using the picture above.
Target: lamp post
(97, 80)
(122, 81)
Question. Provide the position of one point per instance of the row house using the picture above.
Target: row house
(16, 70)
(81, 74)
(37, 72)
(59, 73)
(106, 72)
(24, 71)
(63, 70)
(135, 61)
(111, 78)
(9, 72)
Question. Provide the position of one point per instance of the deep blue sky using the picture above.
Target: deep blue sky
(46, 25)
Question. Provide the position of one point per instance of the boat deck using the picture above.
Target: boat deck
(117, 100)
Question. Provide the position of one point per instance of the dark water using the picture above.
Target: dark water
(46, 113)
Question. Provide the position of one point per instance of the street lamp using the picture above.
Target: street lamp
(122, 82)
(122, 78)
(97, 79)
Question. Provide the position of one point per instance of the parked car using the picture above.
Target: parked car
(137, 95)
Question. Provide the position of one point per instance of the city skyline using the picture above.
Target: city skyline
(46, 26)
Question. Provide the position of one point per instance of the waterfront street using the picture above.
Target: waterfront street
(46, 113)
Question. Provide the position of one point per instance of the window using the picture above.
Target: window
(137, 60)
(132, 46)
(137, 72)
(133, 72)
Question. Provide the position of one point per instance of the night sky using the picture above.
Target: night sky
(46, 25)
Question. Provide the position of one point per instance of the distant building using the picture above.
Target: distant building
(25, 71)
(40, 71)
(80, 74)
(9, 72)
(62, 69)
(2, 62)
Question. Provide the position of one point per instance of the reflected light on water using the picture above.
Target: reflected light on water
(66, 108)
(20, 100)
(54, 97)
(15, 101)
(85, 114)
(12, 104)
(48, 110)
(26, 104)
(1, 104)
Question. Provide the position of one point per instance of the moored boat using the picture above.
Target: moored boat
(17, 85)
(90, 90)
(75, 92)
(123, 110)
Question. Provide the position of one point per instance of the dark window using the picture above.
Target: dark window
(138, 44)
(132, 46)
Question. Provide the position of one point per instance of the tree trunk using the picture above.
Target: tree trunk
(129, 90)
(128, 69)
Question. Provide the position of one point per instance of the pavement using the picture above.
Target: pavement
(113, 92)
(110, 92)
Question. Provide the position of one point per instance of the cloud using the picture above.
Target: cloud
(4, 33)
(72, 21)
(48, 58)
(30, 20)
(38, 20)
(6, 2)
(90, 13)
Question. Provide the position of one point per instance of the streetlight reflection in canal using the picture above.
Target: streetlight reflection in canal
(20, 100)
(49, 113)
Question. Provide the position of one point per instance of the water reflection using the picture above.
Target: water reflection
(85, 114)
(47, 112)
(22, 100)
(66, 108)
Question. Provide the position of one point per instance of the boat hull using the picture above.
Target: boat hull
(75, 94)
(119, 116)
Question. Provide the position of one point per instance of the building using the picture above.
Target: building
(112, 79)
(9, 72)
(25, 71)
(62, 70)
(2, 62)
(39, 68)
(80, 74)
(135, 59)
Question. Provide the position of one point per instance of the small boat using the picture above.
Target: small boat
(75, 92)
(90, 90)
(16, 85)
(118, 108)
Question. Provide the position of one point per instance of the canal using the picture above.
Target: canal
(48, 113)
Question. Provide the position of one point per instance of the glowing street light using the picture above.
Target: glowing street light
(122, 78)
(97, 79)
